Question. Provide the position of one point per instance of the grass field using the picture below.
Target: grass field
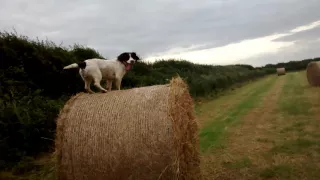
(266, 129)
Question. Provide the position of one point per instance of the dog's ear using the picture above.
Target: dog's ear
(135, 56)
(123, 57)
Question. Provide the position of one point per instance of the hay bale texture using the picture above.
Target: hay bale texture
(313, 73)
(281, 71)
(141, 133)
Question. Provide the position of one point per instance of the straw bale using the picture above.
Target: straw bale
(281, 71)
(141, 133)
(313, 73)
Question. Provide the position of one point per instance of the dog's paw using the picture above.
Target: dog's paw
(90, 91)
(104, 91)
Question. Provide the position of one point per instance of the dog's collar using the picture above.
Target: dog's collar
(125, 63)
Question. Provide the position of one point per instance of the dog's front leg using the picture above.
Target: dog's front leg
(109, 85)
(118, 83)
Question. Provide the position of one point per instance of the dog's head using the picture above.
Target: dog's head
(128, 59)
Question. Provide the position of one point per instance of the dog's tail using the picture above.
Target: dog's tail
(81, 65)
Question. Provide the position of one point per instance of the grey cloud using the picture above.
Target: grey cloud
(306, 45)
(301, 50)
(308, 35)
(149, 27)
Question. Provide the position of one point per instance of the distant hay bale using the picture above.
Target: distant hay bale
(281, 71)
(313, 73)
(141, 133)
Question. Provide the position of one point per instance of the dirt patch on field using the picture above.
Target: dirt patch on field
(242, 155)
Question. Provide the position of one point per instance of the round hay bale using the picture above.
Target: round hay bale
(141, 133)
(281, 71)
(313, 73)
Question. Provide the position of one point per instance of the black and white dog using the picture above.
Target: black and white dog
(110, 70)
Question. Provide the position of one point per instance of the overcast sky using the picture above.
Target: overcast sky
(207, 31)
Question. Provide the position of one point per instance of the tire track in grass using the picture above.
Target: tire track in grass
(212, 134)
(205, 111)
(241, 156)
(297, 142)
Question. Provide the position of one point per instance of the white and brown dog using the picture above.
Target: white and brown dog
(110, 70)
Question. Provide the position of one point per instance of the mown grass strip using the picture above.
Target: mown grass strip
(231, 96)
(295, 107)
(295, 146)
(292, 101)
(211, 135)
(284, 171)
